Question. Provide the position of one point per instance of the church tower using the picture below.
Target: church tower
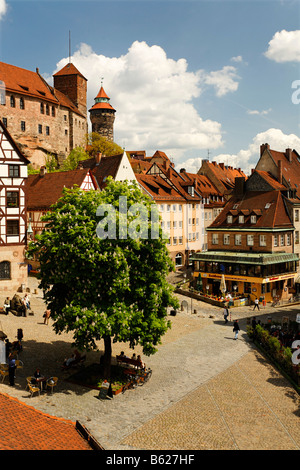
(102, 116)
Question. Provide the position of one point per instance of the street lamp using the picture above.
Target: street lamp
(29, 230)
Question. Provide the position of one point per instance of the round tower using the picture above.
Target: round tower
(102, 116)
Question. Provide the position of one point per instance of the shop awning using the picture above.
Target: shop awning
(245, 258)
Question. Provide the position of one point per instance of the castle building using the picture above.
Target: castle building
(43, 119)
(102, 116)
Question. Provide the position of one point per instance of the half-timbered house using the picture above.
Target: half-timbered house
(13, 224)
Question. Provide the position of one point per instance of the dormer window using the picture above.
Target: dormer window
(191, 190)
(229, 219)
(241, 219)
(253, 219)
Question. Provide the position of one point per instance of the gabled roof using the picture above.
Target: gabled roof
(159, 188)
(108, 166)
(269, 178)
(268, 206)
(290, 164)
(225, 174)
(24, 428)
(43, 191)
(5, 132)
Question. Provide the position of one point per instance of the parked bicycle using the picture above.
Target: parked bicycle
(137, 379)
(144, 376)
(276, 302)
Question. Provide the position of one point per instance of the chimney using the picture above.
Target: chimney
(288, 153)
(98, 158)
(252, 171)
(43, 171)
(239, 186)
(280, 171)
(182, 170)
(222, 165)
(166, 164)
(214, 163)
(169, 173)
(264, 147)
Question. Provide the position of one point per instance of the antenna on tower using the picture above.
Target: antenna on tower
(208, 154)
(69, 46)
(102, 78)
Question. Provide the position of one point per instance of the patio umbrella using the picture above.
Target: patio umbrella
(199, 282)
(223, 284)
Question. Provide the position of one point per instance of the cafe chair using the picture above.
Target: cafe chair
(51, 383)
(4, 373)
(29, 381)
(33, 389)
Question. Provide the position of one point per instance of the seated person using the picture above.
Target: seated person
(142, 364)
(37, 374)
(17, 305)
(123, 356)
(6, 305)
(68, 362)
(26, 301)
(133, 356)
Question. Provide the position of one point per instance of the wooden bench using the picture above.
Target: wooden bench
(127, 360)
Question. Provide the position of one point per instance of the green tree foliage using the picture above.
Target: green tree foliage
(75, 156)
(110, 289)
(97, 143)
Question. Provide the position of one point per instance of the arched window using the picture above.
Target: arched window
(178, 259)
(12, 102)
(22, 106)
(5, 270)
(42, 108)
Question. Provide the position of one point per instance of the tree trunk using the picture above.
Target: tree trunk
(107, 357)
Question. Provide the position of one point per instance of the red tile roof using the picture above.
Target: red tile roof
(102, 94)
(271, 180)
(24, 428)
(43, 191)
(290, 167)
(268, 206)
(159, 188)
(225, 174)
(69, 69)
(28, 83)
(25, 82)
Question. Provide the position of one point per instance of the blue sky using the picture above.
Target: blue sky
(193, 78)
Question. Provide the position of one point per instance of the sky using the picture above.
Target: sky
(197, 79)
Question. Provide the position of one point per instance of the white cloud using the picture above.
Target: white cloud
(3, 9)
(248, 158)
(284, 46)
(224, 80)
(238, 58)
(152, 95)
(264, 112)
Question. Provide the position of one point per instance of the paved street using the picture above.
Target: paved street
(207, 390)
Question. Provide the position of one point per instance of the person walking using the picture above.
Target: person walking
(256, 304)
(47, 316)
(236, 329)
(11, 369)
(226, 314)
